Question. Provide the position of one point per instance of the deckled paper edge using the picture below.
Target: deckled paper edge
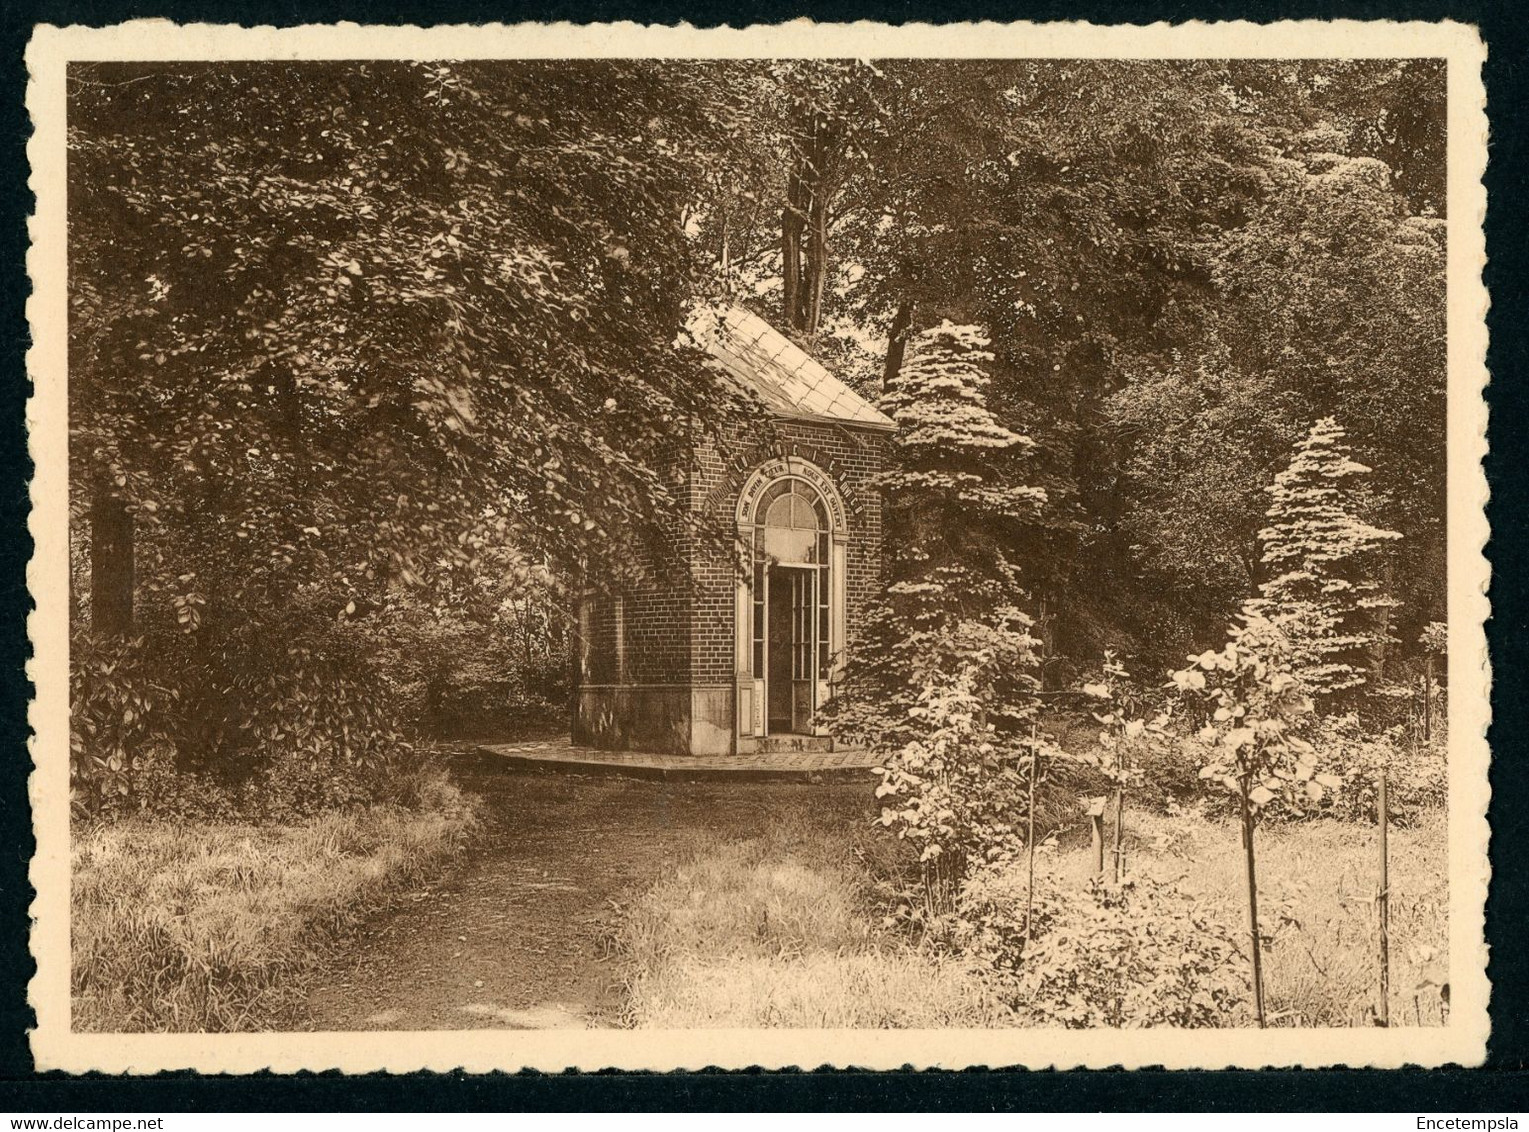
(1463, 1041)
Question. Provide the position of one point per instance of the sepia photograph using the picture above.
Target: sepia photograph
(616, 549)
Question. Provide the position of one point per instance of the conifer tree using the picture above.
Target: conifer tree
(955, 488)
(1319, 554)
(942, 677)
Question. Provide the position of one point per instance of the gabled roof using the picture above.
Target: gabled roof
(785, 377)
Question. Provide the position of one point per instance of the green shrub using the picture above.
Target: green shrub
(260, 719)
(490, 658)
(1352, 754)
(1350, 748)
(957, 791)
(162, 790)
(1170, 774)
(942, 678)
(121, 722)
(1317, 882)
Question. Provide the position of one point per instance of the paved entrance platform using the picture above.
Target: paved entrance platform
(561, 754)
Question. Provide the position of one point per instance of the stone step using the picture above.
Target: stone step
(792, 744)
(560, 755)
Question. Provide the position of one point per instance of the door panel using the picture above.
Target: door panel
(778, 649)
(791, 648)
(804, 605)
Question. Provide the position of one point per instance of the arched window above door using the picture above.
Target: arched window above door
(793, 524)
(791, 503)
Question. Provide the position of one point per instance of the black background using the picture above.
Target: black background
(1501, 1085)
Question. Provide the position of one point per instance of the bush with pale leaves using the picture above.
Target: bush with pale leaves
(1253, 706)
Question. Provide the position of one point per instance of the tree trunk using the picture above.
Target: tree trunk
(111, 565)
(804, 230)
(435, 696)
(825, 141)
(791, 224)
(1427, 699)
(817, 258)
(1380, 618)
(1252, 881)
(1035, 759)
(1383, 904)
(897, 342)
(1120, 828)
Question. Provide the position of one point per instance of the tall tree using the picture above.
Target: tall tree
(1321, 559)
(826, 111)
(955, 492)
(1127, 231)
(1330, 302)
(339, 328)
(941, 680)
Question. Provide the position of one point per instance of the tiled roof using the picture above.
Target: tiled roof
(781, 373)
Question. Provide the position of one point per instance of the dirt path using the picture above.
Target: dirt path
(517, 934)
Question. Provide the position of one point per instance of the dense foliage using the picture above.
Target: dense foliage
(340, 335)
(1135, 954)
(371, 360)
(1356, 752)
(1179, 266)
(1255, 707)
(944, 675)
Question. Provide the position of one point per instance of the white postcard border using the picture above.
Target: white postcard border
(1462, 1041)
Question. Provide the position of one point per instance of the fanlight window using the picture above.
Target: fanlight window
(792, 508)
(793, 527)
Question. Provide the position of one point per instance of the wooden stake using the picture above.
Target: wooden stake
(1096, 834)
(1383, 900)
(1123, 767)
(1247, 852)
(1120, 823)
(1030, 841)
(1427, 699)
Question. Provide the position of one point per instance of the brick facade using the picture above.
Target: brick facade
(674, 686)
(850, 456)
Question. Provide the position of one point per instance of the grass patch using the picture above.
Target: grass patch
(777, 931)
(197, 926)
(1321, 875)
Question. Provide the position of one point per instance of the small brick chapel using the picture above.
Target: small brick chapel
(721, 660)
